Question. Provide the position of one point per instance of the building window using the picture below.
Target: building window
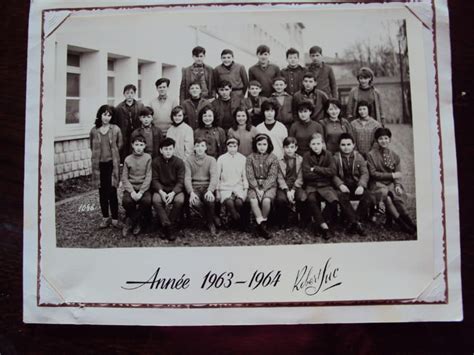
(111, 82)
(139, 83)
(73, 85)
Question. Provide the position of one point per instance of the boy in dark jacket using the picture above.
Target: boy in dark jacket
(194, 104)
(168, 186)
(284, 102)
(152, 134)
(310, 93)
(200, 72)
(351, 179)
(294, 72)
(225, 105)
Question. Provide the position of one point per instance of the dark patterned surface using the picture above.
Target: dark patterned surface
(16, 337)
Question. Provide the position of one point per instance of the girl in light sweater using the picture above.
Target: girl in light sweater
(182, 134)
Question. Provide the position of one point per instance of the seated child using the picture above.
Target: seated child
(225, 105)
(319, 170)
(242, 130)
(264, 71)
(365, 92)
(233, 72)
(181, 133)
(197, 72)
(208, 130)
(253, 102)
(136, 179)
(310, 93)
(153, 135)
(323, 72)
(262, 173)
(351, 180)
(200, 181)
(127, 117)
(232, 183)
(106, 141)
(194, 104)
(274, 129)
(294, 72)
(364, 128)
(304, 127)
(167, 185)
(290, 181)
(284, 102)
(334, 125)
(386, 178)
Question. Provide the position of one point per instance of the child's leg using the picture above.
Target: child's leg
(254, 205)
(315, 207)
(177, 208)
(301, 201)
(231, 208)
(401, 208)
(105, 170)
(144, 208)
(129, 206)
(281, 207)
(159, 206)
(346, 207)
(113, 203)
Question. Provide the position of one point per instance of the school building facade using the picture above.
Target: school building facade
(86, 66)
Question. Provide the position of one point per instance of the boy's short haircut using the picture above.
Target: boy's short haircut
(232, 140)
(309, 75)
(227, 51)
(167, 142)
(200, 140)
(292, 51)
(346, 135)
(146, 111)
(198, 50)
(195, 83)
(161, 81)
(317, 136)
(223, 83)
(260, 137)
(255, 83)
(306, 104)
(279, 78)
(268, 104)
(263, 48)
(129, 87)
(289, 140)
(382, 131)
(316, 49)
(334, 102)
(138, 138)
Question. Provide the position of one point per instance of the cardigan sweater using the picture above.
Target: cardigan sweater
(262, 171)
(231, 172)
(372, 96)
(191, 112)
(282, 174)
(215, 138)
(294, 78)
(303, 131)
(364, 133)
(187, 77)
(157, 136)
(235, 74)
(277, 134)
(264, 76)
(200, 172)
(317, 97)
(318, 170)
(378, 170)
(359, 170)
(136, 173)
(167, 174)
(114, 136)
(325, 78)
(183, 135)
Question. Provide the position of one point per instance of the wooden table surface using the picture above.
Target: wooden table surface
(16, 337)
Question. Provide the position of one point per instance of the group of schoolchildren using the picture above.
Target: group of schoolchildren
(268, 142)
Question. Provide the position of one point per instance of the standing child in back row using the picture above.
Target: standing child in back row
(106, 141)
(323, 72)
(197, 72)
(264, 71)
(232, 72)
(294, 72)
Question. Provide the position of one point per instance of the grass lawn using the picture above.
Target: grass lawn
(78, 216)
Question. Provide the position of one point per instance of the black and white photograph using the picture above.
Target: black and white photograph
(230, 134)
(238, 164)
